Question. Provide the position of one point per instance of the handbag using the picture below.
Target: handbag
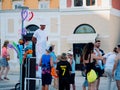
(91, 76)
(53, 72)
(8, 58)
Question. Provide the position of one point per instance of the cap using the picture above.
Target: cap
(52, 45)
(48, 48)
(63, 56)
(42, 22)
(70, 52)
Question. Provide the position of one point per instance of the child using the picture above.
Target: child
(64, 70)
(56, 79)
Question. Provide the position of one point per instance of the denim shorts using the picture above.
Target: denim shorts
(85, 84)
(4, 62)
(117, 75)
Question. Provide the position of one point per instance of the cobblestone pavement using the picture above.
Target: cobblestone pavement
(14, 78)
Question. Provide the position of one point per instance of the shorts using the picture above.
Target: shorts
(72, 78)
(99, 71)
(64, 83)
(46, 79)
(85, 84)
(117, 75)
(4, 62)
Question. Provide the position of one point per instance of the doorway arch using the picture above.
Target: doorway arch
(30, 29)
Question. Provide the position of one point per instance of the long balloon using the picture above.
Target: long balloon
(19, 54)
(12, 47)
(31, 16)
(24, 14)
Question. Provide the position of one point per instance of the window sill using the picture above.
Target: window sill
(86, 8)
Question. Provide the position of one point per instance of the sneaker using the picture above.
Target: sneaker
(6, 78)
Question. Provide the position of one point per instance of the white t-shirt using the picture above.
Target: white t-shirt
(99, 62)
(41, 44)
(110, 59)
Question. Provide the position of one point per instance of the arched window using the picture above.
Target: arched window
(84, 29)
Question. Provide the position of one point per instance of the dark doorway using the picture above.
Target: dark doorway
(29, 33)
(77, 49)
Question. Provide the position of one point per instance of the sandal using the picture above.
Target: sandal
(6, 78)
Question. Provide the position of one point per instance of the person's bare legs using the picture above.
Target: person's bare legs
(56, 83)
(118, 84)
(97, 83)
(6, 71)
(43, 87)
(73, 86)
(89, 86)
(1, 71)
(46, 87)
(84, 88)
(92, 86)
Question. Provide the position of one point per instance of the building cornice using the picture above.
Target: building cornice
(34, 10)
(84, 9)
(59, 10)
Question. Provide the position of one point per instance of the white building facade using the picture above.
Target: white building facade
(68, 27)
